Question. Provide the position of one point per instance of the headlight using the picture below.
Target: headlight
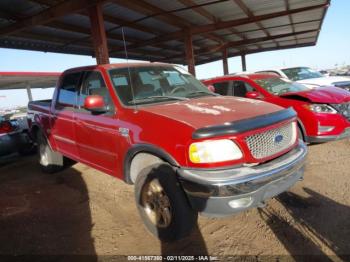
(214, 151)
(321, 108)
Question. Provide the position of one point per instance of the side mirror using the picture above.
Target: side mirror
(211, 88)
(253, 95)
(95, 104)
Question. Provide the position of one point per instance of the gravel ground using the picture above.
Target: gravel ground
(82, 211)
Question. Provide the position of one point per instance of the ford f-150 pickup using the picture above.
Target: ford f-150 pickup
(185, 149)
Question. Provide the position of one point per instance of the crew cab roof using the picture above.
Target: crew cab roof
(116, 65)
(252, 76)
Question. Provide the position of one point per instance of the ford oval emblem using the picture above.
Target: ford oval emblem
(278, 139)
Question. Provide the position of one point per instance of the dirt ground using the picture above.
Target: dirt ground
(82, 211)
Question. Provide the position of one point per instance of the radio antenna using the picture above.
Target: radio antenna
(127, 62)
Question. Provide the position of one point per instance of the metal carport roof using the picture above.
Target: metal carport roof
(156, 30)
(27, 80)
(20, 80)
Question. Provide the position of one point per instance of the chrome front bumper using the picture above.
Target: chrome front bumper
(228, 191)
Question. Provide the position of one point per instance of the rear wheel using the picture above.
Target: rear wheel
(49, 160)
(162, 203)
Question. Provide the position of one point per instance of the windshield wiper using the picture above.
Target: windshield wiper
(150, 98)
(201, 92)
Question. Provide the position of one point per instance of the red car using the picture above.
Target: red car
(186, 150)
(323, 112)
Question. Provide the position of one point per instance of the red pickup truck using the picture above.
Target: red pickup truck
(323, 112)
(185, 149)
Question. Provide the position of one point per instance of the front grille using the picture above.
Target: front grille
(343, 109)
(272, 142)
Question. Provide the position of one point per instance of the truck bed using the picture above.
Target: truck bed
(42, 106)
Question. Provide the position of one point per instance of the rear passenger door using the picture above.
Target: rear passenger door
(223, 88)
(96, 135)
(62, 124)
(241, 88)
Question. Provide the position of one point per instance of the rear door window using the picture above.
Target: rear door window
(223, 88)
(68, 91)
(241, 88)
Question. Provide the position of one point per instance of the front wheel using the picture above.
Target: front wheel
(162, 203)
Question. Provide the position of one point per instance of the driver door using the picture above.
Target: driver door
(97, 134)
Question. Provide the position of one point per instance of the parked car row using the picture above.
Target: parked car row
(185, 149)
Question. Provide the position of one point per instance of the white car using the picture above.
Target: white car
(309, 77)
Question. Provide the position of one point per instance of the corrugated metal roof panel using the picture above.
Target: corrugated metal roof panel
(306, 40)
(302, 3)
(255, 34)
(247, 27)
(166, 5)
(261, 7)
(309, 15)
(283, 20)
(76, 19)
(194, 17)
(280, 30)
(22, 8)
(307, 26)
(225, 11)
(149, 35)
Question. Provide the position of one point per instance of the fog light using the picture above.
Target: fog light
(241, 203)
(322, 129)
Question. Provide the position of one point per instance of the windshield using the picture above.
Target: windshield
(154, 84)
(301, 73)
(279, 86)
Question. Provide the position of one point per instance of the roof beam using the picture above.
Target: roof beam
(287, 5)
(246, 52)
(49, 15)
(240, 43)
(200, 29)
(60, 43)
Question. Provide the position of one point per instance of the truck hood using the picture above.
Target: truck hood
(323, 81)
(328, 95)
(208, 111)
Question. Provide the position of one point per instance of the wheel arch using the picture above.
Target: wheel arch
(302, 128)
(142, 155)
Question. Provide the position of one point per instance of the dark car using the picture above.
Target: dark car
(13, 139)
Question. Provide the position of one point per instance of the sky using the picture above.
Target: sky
(332, 49)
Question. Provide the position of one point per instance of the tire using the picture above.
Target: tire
(300, 134)
(46, 156)
(27, 146)
(157, 188)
